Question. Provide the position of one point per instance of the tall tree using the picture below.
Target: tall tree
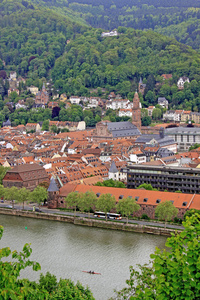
(166, 211)
(88, 201)
(11, 194)
(39, 195)
(72, 201)
(127, 206)
(23, 195)
(105, 203)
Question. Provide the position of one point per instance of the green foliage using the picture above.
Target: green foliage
(190, 213)
(72, 201)
(45, 125)
(173, 273)
(3, 171)
(11, 194)
(166, 211)
(111, 183)
(87, 201)
(39, 195)
(127, 206)
(145, 217)
(195, 146)
(23, 195)
(105, 203)
(12, 287)
(147, 187)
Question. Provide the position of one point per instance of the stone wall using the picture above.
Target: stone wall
(90, 222)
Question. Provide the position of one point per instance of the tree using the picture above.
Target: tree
(173, 273)
(88, 201)
(166, 211)
(127, 206)
(13, 287)
(11, 194)
(23, 195)
(111, 183)
(146, 121)
(45, 125)
(105, 203)
(3, 171)
(39, 195)
(157, 114)
(146, 186)
(72, 201)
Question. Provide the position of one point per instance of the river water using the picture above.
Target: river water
(65, 250)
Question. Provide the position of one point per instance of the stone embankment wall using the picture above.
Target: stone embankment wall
(90, 222)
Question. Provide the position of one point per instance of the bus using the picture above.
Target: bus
(112, 216)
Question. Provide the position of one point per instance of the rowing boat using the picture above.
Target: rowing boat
(90, 272)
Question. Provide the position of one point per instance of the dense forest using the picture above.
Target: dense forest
(43, 44)
(178, 19)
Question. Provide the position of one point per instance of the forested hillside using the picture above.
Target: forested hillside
(179, 19)
(32, 38)
(91, 61)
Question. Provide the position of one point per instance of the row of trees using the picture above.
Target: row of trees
(22, 195)
(87, 202)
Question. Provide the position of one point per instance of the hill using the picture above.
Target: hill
(116, 63)
(178, 19)
(33, 37)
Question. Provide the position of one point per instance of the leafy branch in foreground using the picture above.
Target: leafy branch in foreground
(12, 288)
(171, 274)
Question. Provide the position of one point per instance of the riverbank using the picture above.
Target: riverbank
(113, 225)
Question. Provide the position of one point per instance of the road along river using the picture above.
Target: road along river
(66, 250)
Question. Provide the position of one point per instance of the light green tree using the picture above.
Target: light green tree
(105, 203)
(166, 211)
(39, 195)
(88, 201)
(11, 194)
(23, 195)
(73, 201)
(173, 273)
(127, 206)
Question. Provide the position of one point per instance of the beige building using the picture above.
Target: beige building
(33, 89)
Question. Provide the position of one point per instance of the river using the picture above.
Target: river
(65, 250)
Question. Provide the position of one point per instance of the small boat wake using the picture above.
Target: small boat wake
(91, 272)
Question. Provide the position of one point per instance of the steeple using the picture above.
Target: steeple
(43, 88)
(136, 111)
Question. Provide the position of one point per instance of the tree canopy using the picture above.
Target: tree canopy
(173, 273)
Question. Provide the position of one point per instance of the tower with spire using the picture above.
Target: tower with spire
(141, 86)
(136, 111)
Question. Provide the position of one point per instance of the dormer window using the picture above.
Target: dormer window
(145, 199)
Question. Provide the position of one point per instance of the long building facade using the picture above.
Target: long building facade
(171, 179)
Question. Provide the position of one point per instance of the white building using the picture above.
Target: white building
(75, 99)
(173, 115)
(93, 102)
(119, 104)
(123, 112)
(182, 81)
(162, 101)
(138, 157)
(111, 33)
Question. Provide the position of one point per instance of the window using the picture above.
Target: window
(98, 194)
(121, 196)
(145, 199)
(136, 198)
(172, 201)
(181, 138)
(184, 204)
(158, 201)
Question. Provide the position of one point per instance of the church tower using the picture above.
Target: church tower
(136, 111)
